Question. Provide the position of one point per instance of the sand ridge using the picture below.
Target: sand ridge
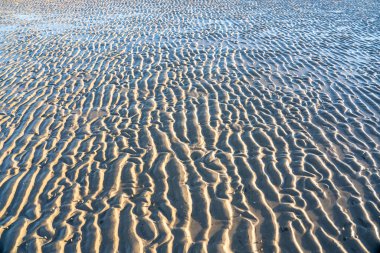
(189, 126)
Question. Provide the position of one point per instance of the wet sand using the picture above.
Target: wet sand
(189, 126)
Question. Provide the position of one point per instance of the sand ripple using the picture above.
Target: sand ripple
(189, 126)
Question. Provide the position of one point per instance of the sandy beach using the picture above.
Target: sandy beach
(189, 126)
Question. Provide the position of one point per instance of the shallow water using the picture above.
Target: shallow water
(189, 126)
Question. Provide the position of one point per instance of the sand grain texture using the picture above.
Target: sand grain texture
(189, 126)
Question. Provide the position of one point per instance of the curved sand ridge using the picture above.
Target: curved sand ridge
(189, 126)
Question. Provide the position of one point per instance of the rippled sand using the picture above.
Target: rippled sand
(189, 126)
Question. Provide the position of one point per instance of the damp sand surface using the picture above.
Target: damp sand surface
(189, 126)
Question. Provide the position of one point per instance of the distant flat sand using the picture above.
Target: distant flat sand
(189, 126)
